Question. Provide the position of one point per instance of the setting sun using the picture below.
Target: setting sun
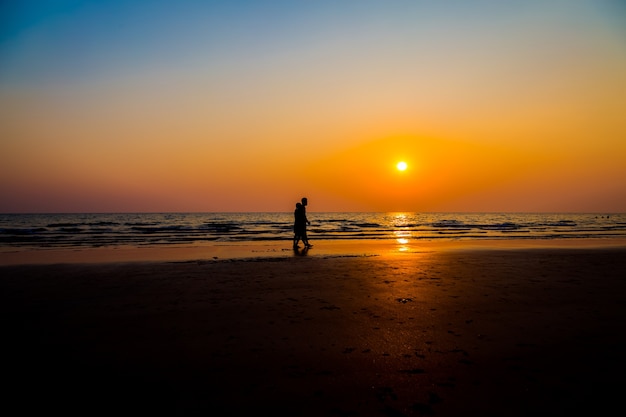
(176, 113)
(401, 166)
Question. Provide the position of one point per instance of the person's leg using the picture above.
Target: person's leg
(299, 234)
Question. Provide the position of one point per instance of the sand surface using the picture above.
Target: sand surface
(280, 249)
(507, 332)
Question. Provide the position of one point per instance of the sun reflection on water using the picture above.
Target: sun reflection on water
(402, 235)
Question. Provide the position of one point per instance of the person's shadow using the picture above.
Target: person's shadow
(301, 252)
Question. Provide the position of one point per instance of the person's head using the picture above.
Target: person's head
(298, 205)
(304, 201)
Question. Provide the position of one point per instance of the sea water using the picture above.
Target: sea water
(150, 229)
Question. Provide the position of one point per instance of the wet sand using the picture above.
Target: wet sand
(512, 331)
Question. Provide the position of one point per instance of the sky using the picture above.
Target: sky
(211, 106)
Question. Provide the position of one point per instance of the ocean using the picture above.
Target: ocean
(151, 229)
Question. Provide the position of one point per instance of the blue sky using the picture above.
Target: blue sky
(48, 40)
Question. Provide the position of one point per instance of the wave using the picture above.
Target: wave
(67, 230)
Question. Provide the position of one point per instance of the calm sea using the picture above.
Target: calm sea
(149, 229)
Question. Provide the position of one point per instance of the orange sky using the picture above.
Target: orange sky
(494, 108)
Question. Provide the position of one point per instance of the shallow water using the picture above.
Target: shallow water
(150, 229)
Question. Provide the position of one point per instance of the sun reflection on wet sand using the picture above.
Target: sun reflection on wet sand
(402, 235)
(403, 244)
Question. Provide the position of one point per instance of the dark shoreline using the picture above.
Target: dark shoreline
(457, 332)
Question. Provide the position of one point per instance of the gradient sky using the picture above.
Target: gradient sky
(134, 106)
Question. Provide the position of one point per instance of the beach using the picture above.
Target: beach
(361, 329)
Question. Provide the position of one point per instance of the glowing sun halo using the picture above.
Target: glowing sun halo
(401, 166)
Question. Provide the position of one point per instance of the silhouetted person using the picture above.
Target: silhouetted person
(299, 225)
(305, 238)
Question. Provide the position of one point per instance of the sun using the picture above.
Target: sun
(401, 166)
